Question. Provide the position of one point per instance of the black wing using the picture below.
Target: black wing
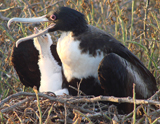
(24, 58)
(95, 41)
(112, 75)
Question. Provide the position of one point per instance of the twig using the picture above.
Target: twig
(20, 7)
(100, 108)
(49, 6)
(83, 99)
(65, 109)
(56, 99)
(25, 94)
(25, 111)
(130, 114)
(154, 122)
(3, 10)
(134, 100)
(4, 18)
(19, 118)
(80, 113)
(16, 105)
(77, 89)
(155, 112)
(145, 21)
(79, 108)
(26, 7)
(38, 104)
(115, 99)
(98, 114)
(49, 112)
(155, 95)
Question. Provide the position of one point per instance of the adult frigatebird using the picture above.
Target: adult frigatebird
(87, 52)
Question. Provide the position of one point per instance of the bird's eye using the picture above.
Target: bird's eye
(53, 17)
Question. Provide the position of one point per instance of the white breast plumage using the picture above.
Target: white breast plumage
(74, 62)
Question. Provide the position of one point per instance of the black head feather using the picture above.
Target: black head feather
(67, 19)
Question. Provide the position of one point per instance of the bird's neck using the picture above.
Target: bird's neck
(51, 76)
(47, 62)
(43, 49)
(45, 52)
(79, 29)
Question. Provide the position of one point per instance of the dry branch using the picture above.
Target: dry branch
(16, 105)
(3, 18)
(116, 99)
(84, 99)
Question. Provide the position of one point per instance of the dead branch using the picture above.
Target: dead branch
(15, 105)
(83, 99)
(78, 113)
(115, 99)
(155, 96)
(27, 94)
(49, 6)
(55, 99)
(3, 18)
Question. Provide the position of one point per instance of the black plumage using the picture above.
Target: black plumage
(25, 61)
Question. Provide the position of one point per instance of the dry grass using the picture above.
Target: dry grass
(136, 24)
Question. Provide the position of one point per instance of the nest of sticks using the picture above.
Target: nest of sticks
(28, 108)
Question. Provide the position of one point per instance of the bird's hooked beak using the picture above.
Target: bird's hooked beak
(31, 20)
(28, 20)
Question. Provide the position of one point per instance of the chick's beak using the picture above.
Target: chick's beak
(34, 35)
